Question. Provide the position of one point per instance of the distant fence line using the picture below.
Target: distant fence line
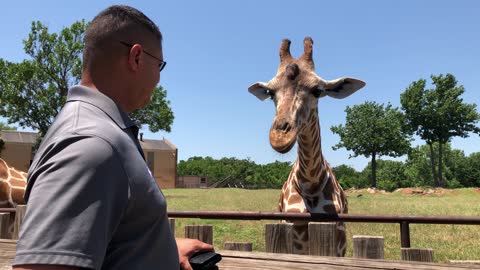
(403, 220)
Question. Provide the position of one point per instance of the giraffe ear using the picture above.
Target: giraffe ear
(260, 90)
(341, 88)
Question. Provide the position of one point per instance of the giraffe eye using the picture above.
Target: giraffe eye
(270, 93)
(317, 92)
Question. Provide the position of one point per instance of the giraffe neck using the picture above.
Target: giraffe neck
(312, 187)
(310, 170)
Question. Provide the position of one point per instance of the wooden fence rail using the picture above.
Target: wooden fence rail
(321, 234)
(403, 220)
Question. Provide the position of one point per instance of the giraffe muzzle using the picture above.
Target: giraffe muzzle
(282, 136)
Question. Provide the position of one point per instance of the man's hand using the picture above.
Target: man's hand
(187, 247)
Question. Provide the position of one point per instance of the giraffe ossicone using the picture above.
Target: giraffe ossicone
(311, 186)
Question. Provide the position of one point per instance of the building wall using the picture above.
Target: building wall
(17, 155)
(192, 181)
(162, 164)
(164, 170)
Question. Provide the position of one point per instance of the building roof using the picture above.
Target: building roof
(157, 145)
(13, 136)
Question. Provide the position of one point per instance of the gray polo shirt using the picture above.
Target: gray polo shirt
(92, 202)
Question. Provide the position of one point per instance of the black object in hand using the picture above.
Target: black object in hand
(204, 260)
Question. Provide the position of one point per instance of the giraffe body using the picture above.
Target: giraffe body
(12, 188)
(12, 185)
(311, 186)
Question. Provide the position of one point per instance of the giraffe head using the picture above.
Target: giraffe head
(295, 91)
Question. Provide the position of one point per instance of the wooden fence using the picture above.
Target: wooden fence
(278, 236)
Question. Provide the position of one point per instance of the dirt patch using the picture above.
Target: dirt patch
(365, 190)
(424, 191)
(421, 191)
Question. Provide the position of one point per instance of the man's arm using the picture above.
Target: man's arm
(187, 247)
(75, 204)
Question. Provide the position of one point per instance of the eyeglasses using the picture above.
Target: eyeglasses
(162, 64)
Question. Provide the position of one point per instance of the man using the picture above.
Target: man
(92, 202)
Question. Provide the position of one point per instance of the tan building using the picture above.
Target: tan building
(18, 148)
(161, 155)
(192, 181)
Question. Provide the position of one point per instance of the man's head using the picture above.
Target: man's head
(123, 56)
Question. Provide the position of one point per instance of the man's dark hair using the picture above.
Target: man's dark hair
(115, 21)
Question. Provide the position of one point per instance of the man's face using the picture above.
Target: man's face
(150, 74)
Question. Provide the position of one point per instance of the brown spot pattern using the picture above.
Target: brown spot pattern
(4, 191)
(17, 195)
(12, 185)
(3, 170)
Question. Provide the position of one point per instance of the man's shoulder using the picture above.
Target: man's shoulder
(80, 119)
(86, 147)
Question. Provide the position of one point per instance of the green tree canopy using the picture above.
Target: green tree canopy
(456, 166)
(471, 171)
(33, 91)
(271, 175)
(348, 177)
(372, 130)
(437, 115)
(4, 126)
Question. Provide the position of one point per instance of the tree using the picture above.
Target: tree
(373, 130)
(33, 91)
(456, 166)
(471, 171)
(348, 177)
(271, 175)
(390, 173)
(438, 115)
(157, 114)
(3, 126)
(418, 170)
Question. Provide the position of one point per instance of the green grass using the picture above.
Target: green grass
(450, 242)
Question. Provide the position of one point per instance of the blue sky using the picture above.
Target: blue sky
(216, 49)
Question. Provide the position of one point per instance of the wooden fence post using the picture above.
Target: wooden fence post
(19, 215)
(417, 254)
(278, 238)
(238, 246)
(203, 233)
(4, 225)
(321, 238)
(171, 221)
(369, 247)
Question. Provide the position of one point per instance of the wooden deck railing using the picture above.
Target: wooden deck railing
(403, 220)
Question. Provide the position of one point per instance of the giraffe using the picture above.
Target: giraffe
(12, 188)
(12, 185)
(311, 186)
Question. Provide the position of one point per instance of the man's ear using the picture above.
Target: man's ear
(260, 90)
(341, 88)
(134, 56)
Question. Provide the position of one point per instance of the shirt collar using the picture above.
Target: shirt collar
(102, 102)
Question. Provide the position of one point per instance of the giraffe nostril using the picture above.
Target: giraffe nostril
(284, 126)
